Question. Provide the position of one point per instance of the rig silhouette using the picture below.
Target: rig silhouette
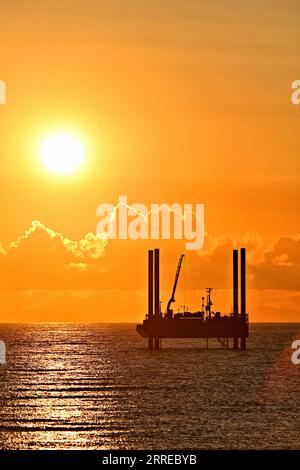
(204, 323)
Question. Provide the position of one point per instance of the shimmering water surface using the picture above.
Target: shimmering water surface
(68, 386)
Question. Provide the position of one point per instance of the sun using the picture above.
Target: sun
(62, 153)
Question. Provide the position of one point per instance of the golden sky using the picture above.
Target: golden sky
(174, 101)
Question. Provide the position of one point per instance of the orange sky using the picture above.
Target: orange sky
(175, 102)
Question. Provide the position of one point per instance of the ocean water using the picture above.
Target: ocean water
(82, 386)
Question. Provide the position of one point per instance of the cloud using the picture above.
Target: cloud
(251, 240)
(2, 251)
(282, 260)
(212, 266)
(45, 275)
(42, 258)
(274, 267)
(280, 268)
(80, 266)
(91, 246)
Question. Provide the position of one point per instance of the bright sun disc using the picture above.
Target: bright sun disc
(62, 153)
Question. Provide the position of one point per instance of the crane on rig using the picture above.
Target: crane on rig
(169, 311)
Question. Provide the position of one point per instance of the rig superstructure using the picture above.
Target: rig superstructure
(204, 323)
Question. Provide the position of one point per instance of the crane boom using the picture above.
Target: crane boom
(172, 298)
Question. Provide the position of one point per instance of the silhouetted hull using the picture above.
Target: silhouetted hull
(193, 328)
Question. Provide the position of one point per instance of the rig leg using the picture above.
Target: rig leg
(235, 343)
(150, 343)
(226, 343)
(156, 343)
(243, 343)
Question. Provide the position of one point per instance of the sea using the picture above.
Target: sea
(97, 386)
